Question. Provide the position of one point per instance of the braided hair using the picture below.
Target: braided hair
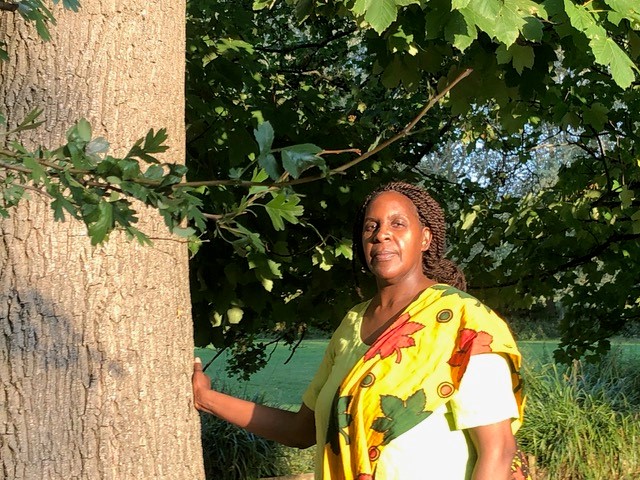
(434, 265)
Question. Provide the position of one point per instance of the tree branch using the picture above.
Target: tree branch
(8, 6)
(301, 46)
(342, 168)
(573, 263)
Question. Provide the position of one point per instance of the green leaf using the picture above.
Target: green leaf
(264, 135)
(635, 228)
(60, 205)
(596, 115)
(390, 405)
(30, 118)
(97, 145)
(234, 315)
(626, 197)
(266, 270)
(29, 122)
(151, 143)
(235, 45)
(380, 14)
(247, 238)
(469, 218)
(37, 172)
(100, 228)
(283, 207)
(259, 175)
(531, 8)
(154, 172)
(304, 8)
(382, 424)
(582, 19)
(323, 258)
(83, 130)
(270, 165)
(507, 24)
(625, 8)
(155, 142)
(459, 31)
(298, 158)
(344, 248)
(262, 4)
(532, 30)
(69, 4)
(607, 52)
(523, 57)
(183, 232)
(459, 4)
(504, 20)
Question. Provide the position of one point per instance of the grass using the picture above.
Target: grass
(582, 423)
(284, 383)
(281, 383)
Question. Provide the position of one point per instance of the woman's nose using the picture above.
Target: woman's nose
(381, 233)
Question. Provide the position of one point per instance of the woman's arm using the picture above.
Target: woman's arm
(496, 447)
(294, 429)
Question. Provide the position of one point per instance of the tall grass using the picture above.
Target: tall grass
(231, 453)
(583, 422)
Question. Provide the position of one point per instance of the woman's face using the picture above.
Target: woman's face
(393, 238)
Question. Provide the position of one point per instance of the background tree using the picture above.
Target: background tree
(551, 85)
(287, 95)
(96, 342)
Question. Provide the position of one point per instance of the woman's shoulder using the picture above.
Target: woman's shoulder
(461, 300)
(351, 321)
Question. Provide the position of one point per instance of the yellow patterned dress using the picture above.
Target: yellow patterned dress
(374, 394)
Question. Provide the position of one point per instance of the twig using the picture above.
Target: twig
(295, 347)
(34, 189)
(337, 152)
(15, 168)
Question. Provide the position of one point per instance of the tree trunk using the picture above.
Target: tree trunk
(96, 343)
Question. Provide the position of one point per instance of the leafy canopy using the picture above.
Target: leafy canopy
(533, 152)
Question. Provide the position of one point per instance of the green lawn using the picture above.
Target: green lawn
(283, 384)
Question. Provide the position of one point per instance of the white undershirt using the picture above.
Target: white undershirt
(438, 448)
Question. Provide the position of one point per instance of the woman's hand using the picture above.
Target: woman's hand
(201, 383)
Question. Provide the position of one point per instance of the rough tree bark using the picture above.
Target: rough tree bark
(96, 343)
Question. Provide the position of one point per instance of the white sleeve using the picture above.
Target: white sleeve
(485, 395)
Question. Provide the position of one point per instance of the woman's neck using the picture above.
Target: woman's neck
(400, 294)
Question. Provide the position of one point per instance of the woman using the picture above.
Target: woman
(418, 382)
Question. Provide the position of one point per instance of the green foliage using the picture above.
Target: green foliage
(540, 180)
(582, 421)
(37, 13)
(531, 148)
(83, 181)
(516, 27)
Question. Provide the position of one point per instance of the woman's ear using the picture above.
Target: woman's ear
(426, 238)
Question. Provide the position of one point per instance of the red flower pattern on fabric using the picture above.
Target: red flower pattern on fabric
(397, 336)
(470, 342)
(364, 476)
